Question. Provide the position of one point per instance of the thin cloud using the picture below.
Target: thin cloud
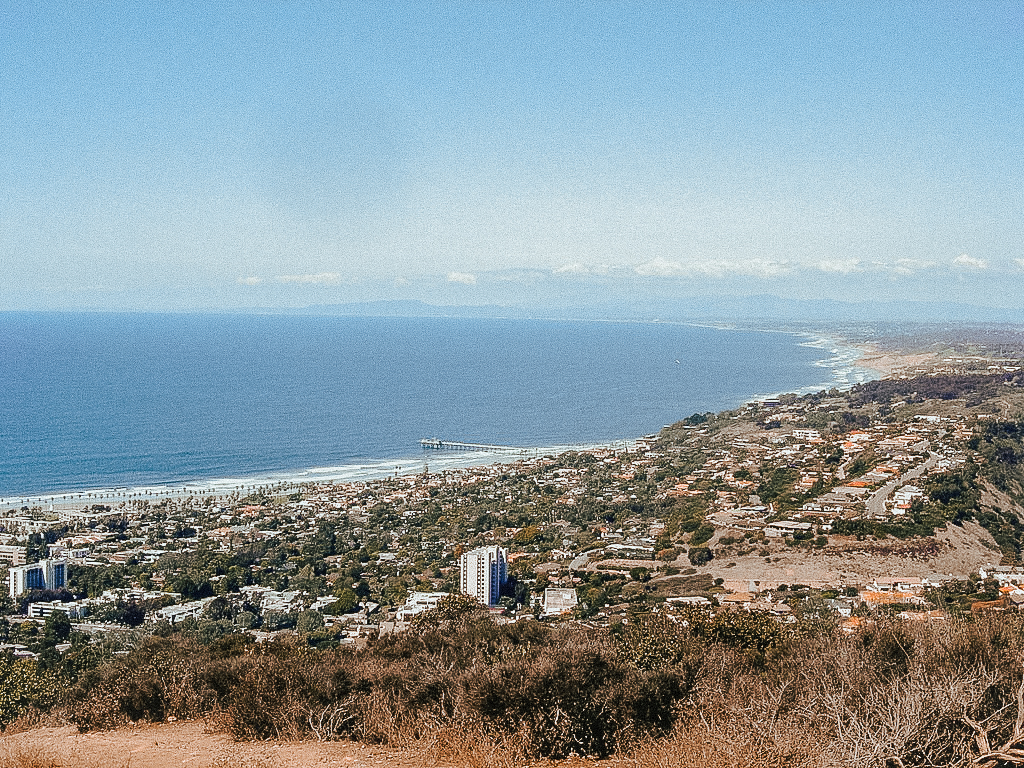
(572, 269)
(662, 268)
(970, 262)
(578, 269)
(321, 278)
(465, 278)
(911, 266)
(838, 266)
(718, 269)
(250, 280)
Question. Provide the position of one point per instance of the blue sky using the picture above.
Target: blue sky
(223, 155)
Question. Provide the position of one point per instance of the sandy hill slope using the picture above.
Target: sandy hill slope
(957, 551)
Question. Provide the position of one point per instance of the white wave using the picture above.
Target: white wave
(845, 373)
(437, 461)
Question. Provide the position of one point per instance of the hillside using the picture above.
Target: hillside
(807, 565)
(956, 550)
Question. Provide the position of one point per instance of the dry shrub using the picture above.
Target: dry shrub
(896, 695)
(35, 718)
(471, 692)
(733, 740)
(282, 690)
(576, 696)
(530, 692)
(29, 757)
(161, 678)
(466, 747)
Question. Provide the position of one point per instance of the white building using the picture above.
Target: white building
(907, 494)
(74, 610)
(12, 555)
(46, 574)
(483, 571)
(806, 434)
(785, 527)
(558, 601)
(417, 603)
(176, 613)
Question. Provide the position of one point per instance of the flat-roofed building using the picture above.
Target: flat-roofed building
(417, 603)
(74, 610)
(11, 554)
(46, 574)
(558, 600)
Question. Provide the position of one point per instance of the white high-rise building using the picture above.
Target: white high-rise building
(46, 574)
(483, 571)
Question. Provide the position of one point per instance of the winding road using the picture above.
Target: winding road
(876, 502)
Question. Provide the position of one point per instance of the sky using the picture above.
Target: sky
(230, 155)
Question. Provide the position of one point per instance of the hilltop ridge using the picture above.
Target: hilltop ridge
(870, 539)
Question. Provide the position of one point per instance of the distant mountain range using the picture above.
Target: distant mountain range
(694, 309)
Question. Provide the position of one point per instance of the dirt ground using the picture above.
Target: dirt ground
(959, 551)
(194, 745)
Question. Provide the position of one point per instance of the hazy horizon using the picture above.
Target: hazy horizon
(263, 155)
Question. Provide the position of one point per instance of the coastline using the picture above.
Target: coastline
(434, 461)
(849, 364)
(844, 360)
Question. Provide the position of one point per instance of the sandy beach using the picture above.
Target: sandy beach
(889, 364)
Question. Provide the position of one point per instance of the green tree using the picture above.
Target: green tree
(347, 602)
(700, 555)
(22, 685)
(654, 641)
(36, 549)
(309, 621)
(56, 628)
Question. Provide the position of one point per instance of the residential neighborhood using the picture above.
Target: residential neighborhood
(784, 506)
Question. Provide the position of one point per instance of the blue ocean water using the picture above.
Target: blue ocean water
(127, 400)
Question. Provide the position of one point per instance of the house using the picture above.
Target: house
(558, 601)
(785, 527)
(736, 599)
(176, 613)
(907, 494)
(897, 584)
(1003, 574)
(419, 602)
(285, 602)
(806, 434)
(688, 600)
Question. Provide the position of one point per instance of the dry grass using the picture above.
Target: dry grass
(738, 742)
(895, 695)
(33, 756)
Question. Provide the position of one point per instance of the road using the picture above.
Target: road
(876, 502)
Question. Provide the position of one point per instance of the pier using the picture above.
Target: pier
(454, 445)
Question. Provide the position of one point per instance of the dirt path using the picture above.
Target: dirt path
(193, 745)
(187, 745)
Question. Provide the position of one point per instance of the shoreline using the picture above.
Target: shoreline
(850, 364)
(889, 364)
(438, 462)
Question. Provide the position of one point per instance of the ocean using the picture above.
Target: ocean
(133, 403)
